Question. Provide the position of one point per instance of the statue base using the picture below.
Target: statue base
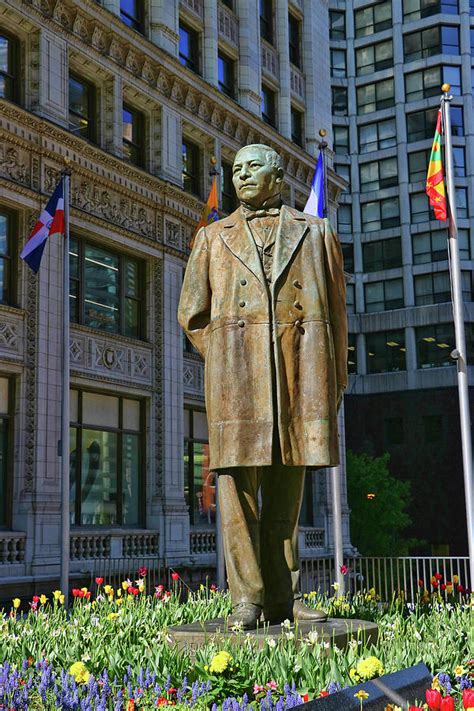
(336, 631)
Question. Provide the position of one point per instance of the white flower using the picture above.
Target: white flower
(290, 635)
(271, 642)
(312, 637)
(238, 627)
(286, 624)
(85, 658)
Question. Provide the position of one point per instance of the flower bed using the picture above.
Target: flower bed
(111, 650)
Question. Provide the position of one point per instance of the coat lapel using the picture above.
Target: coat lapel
(291, 231)
(237, 237)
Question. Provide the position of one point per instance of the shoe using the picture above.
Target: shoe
(245, 615)
(276, 617)
(303, 613)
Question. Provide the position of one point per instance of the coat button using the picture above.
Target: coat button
(297, 305)
(242, 303)
(243, 282)
(297, 284)
(241, 324)
(298, 323)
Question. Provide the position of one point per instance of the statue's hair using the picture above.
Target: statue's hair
(271, 156)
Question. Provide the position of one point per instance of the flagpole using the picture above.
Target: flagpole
(460, 353)
(65, 416)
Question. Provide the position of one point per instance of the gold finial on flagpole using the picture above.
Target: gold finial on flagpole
(213, 162)
(445, 88)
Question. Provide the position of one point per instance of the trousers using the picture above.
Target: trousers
(261, 547)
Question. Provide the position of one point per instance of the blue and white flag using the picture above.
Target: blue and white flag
(51, 222)
(316, 201)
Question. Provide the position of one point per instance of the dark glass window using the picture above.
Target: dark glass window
(189, 47)
(344, 219)
(268, 106)
(382, 254)
(421, 125)
(376, 136)
(378, 174)
(6, 443)
(373, 97)
(337, 25)
(434, 345)
(8, 237)
(457, 123)
(420, 208)
(339, 100)
(294, 35)
(433, 40)
(393, 430)
(296, 126)
(133, 135)
(380, 214)
(199, 481)
(338, 63)
(374, 18)
(433, 428)
(266, 20)
(9, 67)
(384, 295)
(341, 139)
(432, 246)
(350, 298)
(416, 9)
(226, 75)
(352, 354)
(348, 254)
(436, 288)
(82, 107)
(374, 57)
(106, 289)
(107, 480)
(385, 351)
(132, 13)
(229, 198)
(191, 172)
(426, 83)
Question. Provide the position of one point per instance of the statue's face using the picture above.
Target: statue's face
(255, 180)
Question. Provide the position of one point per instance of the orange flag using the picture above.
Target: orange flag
(435, 179)
(209, 214)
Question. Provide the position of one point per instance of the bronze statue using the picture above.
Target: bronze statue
(263, 301)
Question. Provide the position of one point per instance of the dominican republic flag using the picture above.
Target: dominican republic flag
(315, 205)
(51, 222)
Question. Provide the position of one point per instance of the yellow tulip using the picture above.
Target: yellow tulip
(43, 599)
(455, 579)
(119, 593)
(61, 599)
(79, 671)
(108, 589)
(125, 584)
(57, 594)
(16, 602)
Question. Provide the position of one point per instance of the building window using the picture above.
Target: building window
(385, 351)
(421, 125)
(344, 171)
(341, 140)
(420, 208)
(337, 25)
(296, 126)
(434, 40)
(133, 136)
(191, 171)
(106, 289)
(374, 58)
(373, 19)
(373, 97)
(266, 20)
(229, 198)
(199, 482)
(6, 441)
(352, 354)
(380, 214)
(294, 35)
(350, 298)
(426, 83)
(433, 246)
(433, 428)
(344, 219)
(378, 174)
(189, 47)
(226, 75)
(376, 136)
(339, 100)
(462, 206)
(348, 254)
(268, 106)
(416, 9)
(106, 460)
(338, 63)
(82, 110)
(434, 345)
(384, 295)
(382, 254)
(8, 238)
(436, 288)
(132, 13)
(459, 160)
(393, 431)
(418, 165)
(457, 123)
(9, 67)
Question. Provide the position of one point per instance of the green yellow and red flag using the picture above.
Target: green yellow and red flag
(209, 213)
(435, 188)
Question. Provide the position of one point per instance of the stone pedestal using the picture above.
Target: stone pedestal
(334, 631)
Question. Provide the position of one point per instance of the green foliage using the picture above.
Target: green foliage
(377, 523)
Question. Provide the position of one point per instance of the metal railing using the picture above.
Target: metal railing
(389, 576)
(116, 570)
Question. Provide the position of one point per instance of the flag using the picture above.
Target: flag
(51, 222)
(435, 179)
(316, 201)
(209, 214)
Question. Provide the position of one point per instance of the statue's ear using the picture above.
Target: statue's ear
(280, 175)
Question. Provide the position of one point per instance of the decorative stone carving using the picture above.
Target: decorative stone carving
(193, 377)
(8, 336)
(99, 40)
(163, 83)
(62, 15)
(13, 164)
(228, 24)
(30, 376)
(148, 74)
(203, 110)
(81, 27)
(173, 234)
(107, 357)
(132, 62)
(216, 119)
(157, 375)
(116, 52)
(191, 101)
(51, 178)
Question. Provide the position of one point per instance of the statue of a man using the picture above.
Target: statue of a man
(263, 301)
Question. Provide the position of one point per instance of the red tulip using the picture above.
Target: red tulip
(421, 584)
(306, 698)
(35, 598)
(468, 698)
(438, 576)
(344, 569)
(321, 694)
(174, 576)
(435, 585)
(433, 699)
(459, 588)
(99, 581)
(76, 592)
(142, 572)
(447, 704)
(133, 591)
(87, 594)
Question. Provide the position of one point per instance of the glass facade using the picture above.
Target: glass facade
(7, 230)
(5, 449)
(386, 351)
(199, 482)
(191, 170)
(189, 47)
(133, 138)
(82, 112)
(9, 67)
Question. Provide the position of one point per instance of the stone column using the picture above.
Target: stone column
(113, 123)
(209, 50)
(169, 137)
(317, 71)
(53, 78)
(250, 77)
(282, 42)
(164, 25)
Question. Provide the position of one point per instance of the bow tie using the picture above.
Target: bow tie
(269, 212)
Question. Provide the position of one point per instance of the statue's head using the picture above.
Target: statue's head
(257, 175)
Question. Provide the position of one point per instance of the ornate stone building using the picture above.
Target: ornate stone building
(138, 95)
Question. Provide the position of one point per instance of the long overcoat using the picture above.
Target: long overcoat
(274, 356)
